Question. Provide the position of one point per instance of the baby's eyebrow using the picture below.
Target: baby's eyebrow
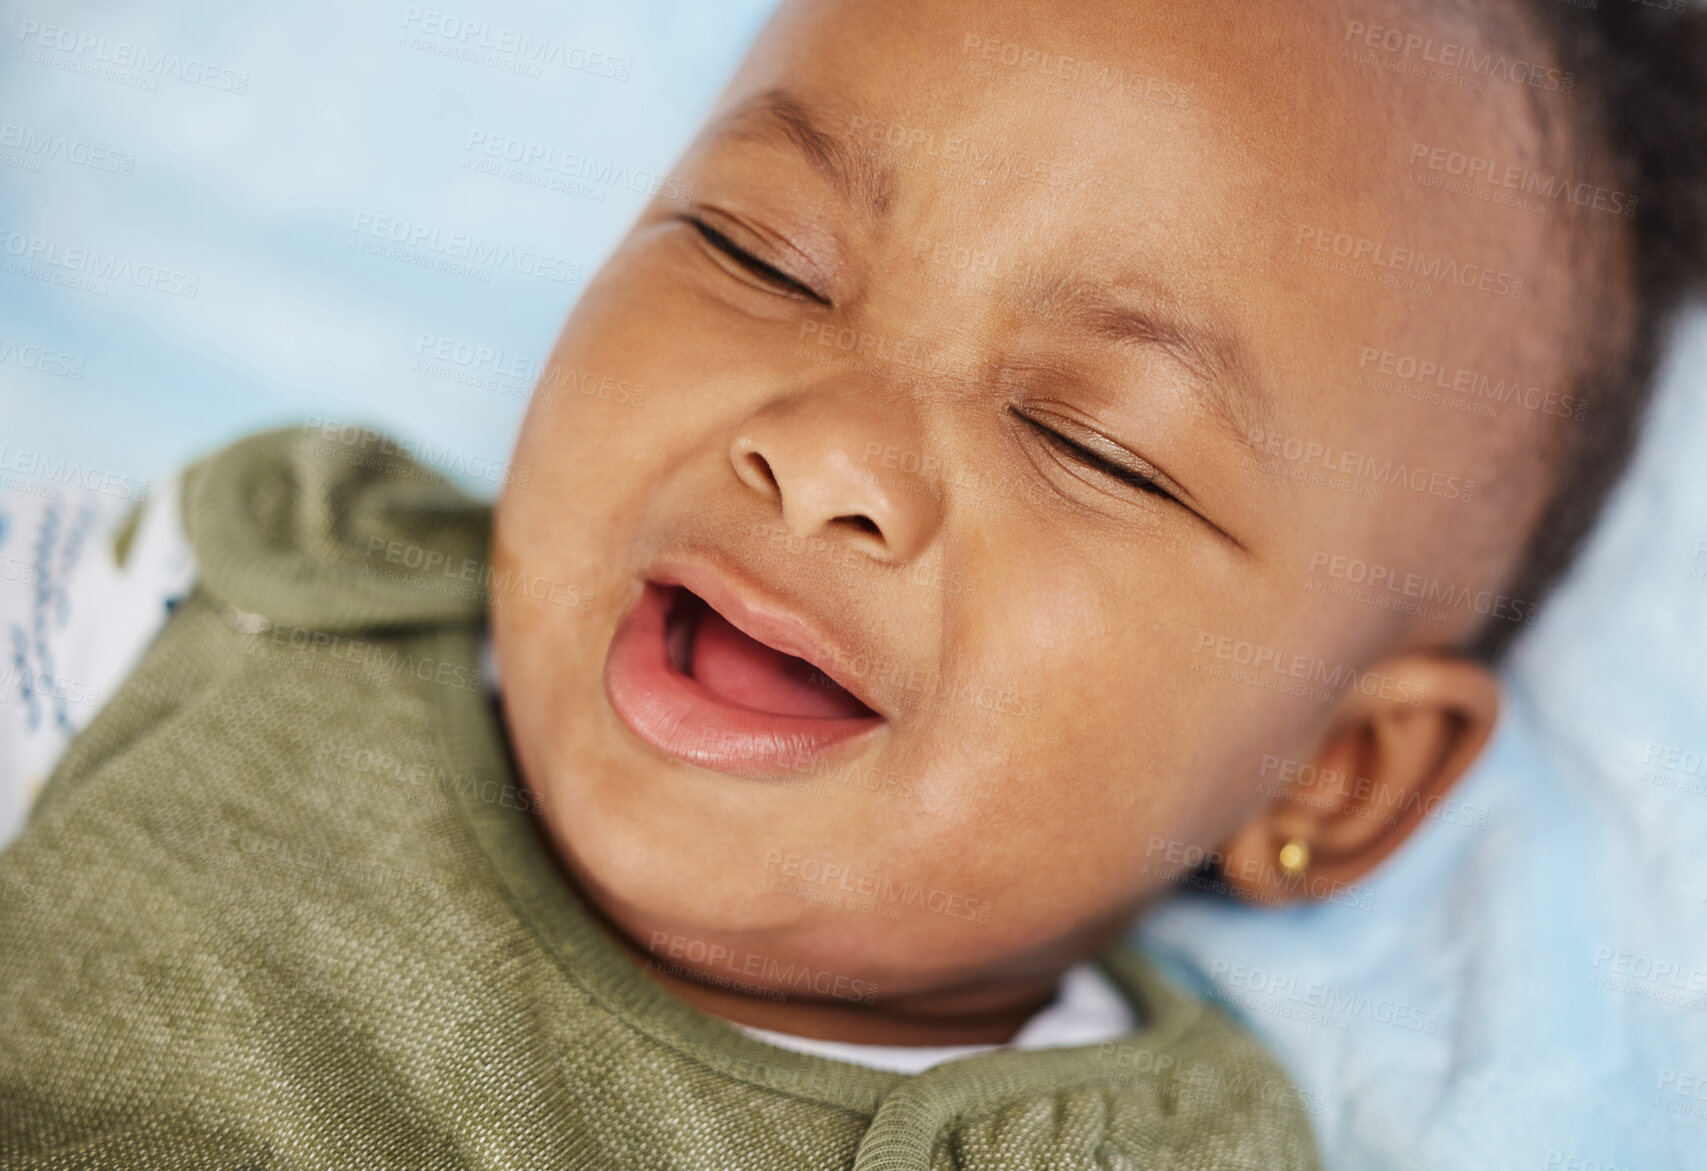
(1123, 313)
(781, 118)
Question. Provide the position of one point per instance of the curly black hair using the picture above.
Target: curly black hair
(1638, 109)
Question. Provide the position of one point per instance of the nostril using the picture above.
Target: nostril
(863, 523)
(759, 468)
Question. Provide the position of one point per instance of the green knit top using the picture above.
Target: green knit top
(285, 905)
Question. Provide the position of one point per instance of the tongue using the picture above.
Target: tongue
(747, 672)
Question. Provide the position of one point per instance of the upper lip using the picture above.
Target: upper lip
(764, 618)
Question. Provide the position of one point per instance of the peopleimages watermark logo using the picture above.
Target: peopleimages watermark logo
(1364, 797)
(1682, 1092)
(122, 61)
(955, 158)
(29, 149)
(825, 876)
(1668, 981)
(1387, 587)
(509, 50)
(540, 164)
(87, 269)
(366, 448)
(66, 473)
(1072, 77)
(447, 572)
(1669, 767)
(1398, 267)
(1411, 376)
(1559, 1160)
(455, 253)
(27, 684)
(755, 965)
(476, 364)
(837, 556)
(41, 359)
(1284, 994)
(1360, 473)
(1491, 180)
(1458, 63)
(1185, 864)
(492, 368)
(1276, 669)
(344, 656)
(379, 773)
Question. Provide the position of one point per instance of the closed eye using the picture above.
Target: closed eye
(1126, 475)
(766, 273)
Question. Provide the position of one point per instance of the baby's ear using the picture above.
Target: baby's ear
(1386, 764)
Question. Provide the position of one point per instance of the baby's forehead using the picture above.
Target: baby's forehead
(1236, 158)
(1117, 122)
(1279, 77)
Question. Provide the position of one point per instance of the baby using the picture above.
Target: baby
(1057, 450)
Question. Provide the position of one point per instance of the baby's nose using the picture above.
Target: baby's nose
(843, 469)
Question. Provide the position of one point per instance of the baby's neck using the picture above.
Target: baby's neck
(990, 1016)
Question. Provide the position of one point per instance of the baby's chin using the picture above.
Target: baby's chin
(732, 904)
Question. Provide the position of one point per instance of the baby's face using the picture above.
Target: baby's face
(1010, 371)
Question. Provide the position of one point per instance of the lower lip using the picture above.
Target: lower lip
(678, 716)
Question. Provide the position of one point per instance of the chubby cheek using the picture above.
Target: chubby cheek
(1079, 763)
(608, 424)
(591, 445)
(1129, 747)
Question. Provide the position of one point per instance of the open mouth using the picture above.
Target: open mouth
(706, 647)
(686, 679)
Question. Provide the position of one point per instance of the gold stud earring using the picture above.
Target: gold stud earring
(1295, 857)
